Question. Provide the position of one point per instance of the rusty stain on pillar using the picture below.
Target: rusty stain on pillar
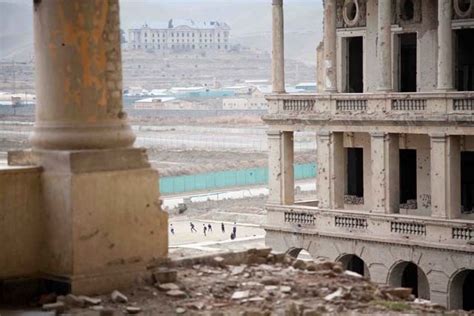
(79, 76)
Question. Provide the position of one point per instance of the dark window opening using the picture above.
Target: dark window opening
(355, 172)
(407, 62)
(465, 60)
(408, 10)
(467, 290)
(467, 181)
(356, 265)
(410, 278)
(407, 175)
(355, 68)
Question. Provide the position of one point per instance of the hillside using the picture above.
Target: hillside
(250, 21)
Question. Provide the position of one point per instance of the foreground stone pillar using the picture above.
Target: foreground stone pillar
(330, 70)
(385, 183)
(330, 185)
(281, 173)
(384, 45)
(278, 52)
(445, 46)
(102, 223)
(445, 176)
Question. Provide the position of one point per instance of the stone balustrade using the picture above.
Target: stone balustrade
(387, 228)
(371, 106)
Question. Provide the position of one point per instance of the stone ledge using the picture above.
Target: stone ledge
(81, 161)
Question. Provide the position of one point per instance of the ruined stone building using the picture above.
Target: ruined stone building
(180, 35)
(79, 212)
(393, 122)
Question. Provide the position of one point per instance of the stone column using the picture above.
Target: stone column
(445, 46)
(330, 37)
(281, 174)
(102, 222)
(384, 45)
(278, 52)
(445, 176)
(330, 185)
(385, 184)
(80, 106)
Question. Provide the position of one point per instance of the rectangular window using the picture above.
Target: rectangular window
(408, 179)
(467, 181)
(465, 60)
(354, 65)
(407, 67)
(355, 172)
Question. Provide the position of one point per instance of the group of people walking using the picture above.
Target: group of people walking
(208, 229)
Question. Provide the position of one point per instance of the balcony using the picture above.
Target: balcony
(396, 107)
(455, 234)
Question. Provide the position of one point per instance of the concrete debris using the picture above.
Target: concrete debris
(279, 286)
(176, 293)
(58, 307)
(398, 292)
(333, 295)
(237, 270)
(133, 310)
(168, 287)
(118, 297)
(352, 274)
(89, 301)
(180, 310)
(74, 301)
(238, 295)
(285, 289)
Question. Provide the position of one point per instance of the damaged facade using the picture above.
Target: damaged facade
(395, 145)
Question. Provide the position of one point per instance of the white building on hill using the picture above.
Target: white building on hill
(180, 35)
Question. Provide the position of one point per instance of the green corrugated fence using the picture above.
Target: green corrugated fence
(225, 179)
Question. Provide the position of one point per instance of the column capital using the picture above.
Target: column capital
(324, 134)
(378, 134)
(438, 137)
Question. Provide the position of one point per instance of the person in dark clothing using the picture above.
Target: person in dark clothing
(209, 228)
(204, 229)
(172, 229)
(193, 229)
(223, 228)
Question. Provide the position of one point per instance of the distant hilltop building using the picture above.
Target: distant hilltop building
(180, 35)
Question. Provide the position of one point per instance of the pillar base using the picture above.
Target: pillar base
(71, 137)
(102, 222)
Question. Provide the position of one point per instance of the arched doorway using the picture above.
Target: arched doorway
(355, 264)
(299, 253)
(408, 274)
(461, 291)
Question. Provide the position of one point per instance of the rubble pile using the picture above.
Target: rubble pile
(255, 282)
